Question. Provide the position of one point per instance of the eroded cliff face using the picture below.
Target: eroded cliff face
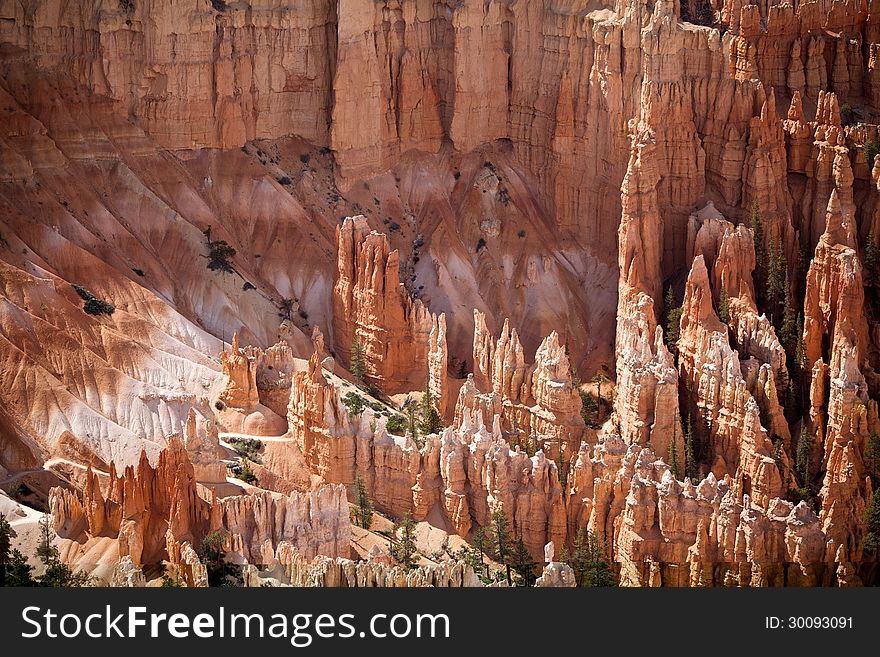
(372, 308)
(154, 514)
(447, 183)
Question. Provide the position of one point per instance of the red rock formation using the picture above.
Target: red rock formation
(742, 446)
(158, 513)
(835, 329)
(240, 410)
(370, 304)
(315, 523)
(646, 403)
(139, 508)
(313, 413)
(537, 401)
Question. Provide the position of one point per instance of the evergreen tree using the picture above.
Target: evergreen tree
(358, 365)
(690, 462)
(589, 410)
(474, 554)
(562, 465)
(673, 318)
(872, 147)
(788, 332)
(404, 549)
(872, 457)
(760, 274)
(589, 561)
(532, 446)
(723, 306)
(45, 550)
(19, 572)
(524, 565)
(871, 260)
(5, 546)
(354, 404)
(872, 524)
(802, 458)
(412, 427)
(364, 508)
(59, 575)
(600, 380)
(430, 422)
(673, 459)
(501, 538)
(777, 278)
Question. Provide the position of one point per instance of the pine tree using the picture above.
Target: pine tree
(673, 318)
(45, 550)
(562, 466)
(430, 422)
(872, 147)
(532, 446)
(5, 545)
(690, 461)
(872, 524)
(589, 561)
(501, 538)
(788, 332)
(673, 459)
(589, 410)
(871, 260)
(358, 365)
(474, 554)
(872, 457)
(777, 278)
(412, 427)
(404, 549)
(59, 575)
(723, 306)
(760, 274)
(364, 510)
(19, 572)
(524, 565)
(599, 380)
(802, 458)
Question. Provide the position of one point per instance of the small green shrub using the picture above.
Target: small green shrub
(248, 448)
(872, 148)
(396, 424)
(92, 304)
(354, 404)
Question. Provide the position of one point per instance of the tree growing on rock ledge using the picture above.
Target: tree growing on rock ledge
(363, 510)
(589, 561)
(672, 313)
(501, 538)
(403, 546)
(358, 366)
(431, 421)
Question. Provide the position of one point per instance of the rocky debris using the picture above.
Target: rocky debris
(127, 575)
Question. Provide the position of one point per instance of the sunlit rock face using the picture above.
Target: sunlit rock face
(624, 246)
